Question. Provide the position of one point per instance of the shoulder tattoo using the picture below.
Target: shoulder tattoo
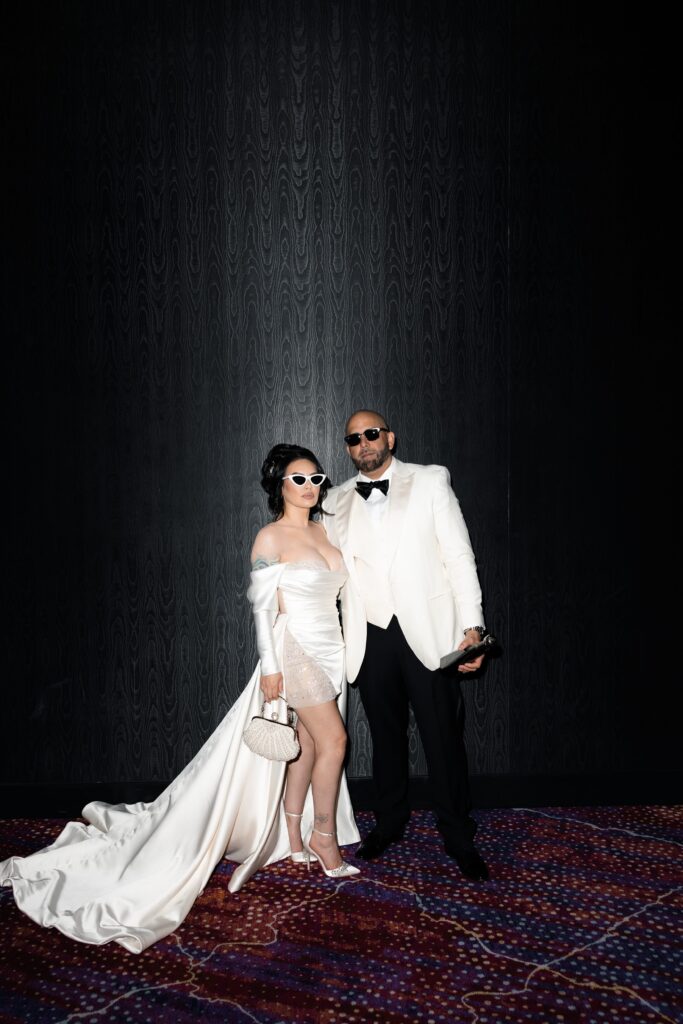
(263, 563)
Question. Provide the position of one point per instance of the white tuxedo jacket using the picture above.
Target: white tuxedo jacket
(425, 552)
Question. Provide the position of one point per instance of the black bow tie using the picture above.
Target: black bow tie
(364, 487)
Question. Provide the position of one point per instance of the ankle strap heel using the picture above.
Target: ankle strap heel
(299, 856)
(343, 871)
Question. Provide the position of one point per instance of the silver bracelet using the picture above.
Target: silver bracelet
(481, 630)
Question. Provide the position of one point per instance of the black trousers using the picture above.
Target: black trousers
(391, 679)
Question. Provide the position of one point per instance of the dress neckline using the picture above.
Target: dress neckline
(309, 563)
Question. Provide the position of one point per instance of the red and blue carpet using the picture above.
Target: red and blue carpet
(580, 922)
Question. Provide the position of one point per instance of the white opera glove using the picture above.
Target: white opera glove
(265, 641)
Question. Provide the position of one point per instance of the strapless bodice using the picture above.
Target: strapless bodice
(309, 589)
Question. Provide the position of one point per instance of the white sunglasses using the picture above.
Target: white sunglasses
(300, 478)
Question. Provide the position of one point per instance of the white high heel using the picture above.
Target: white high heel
(343, 871)
(301, 856)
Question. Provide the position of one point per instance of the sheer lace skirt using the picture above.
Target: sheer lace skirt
(305, 682)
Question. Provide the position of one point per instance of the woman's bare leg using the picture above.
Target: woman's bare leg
(296, 788)
(324, 725)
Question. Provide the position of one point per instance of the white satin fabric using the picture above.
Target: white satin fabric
(132, 874)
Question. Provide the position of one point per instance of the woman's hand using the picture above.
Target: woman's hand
(271, 686)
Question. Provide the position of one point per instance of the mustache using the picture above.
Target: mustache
(371, 459)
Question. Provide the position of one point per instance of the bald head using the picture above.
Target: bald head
(374, 419)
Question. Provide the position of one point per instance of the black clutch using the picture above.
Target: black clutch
(485, 646)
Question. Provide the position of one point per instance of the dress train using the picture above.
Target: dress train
(132, 873)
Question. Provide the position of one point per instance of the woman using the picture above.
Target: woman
(294, 555)
(132, 874)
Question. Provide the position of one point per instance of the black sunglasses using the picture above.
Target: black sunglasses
(372, 433)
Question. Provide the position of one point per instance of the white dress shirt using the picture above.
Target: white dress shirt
(376, 503)
(372, 574)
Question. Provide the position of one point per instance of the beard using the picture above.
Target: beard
(371, 460)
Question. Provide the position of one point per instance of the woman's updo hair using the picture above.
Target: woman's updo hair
(275, 467)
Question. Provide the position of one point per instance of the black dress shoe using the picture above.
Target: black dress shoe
(374, 845)
(471, 864)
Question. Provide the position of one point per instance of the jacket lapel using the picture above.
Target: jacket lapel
(399, 497)
(343, 520)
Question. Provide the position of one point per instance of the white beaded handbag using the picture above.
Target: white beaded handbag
(274, 735)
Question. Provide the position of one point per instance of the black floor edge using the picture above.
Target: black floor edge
(488, 791)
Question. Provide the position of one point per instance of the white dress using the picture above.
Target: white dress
(132, 874)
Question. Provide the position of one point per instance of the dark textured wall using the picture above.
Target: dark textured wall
(229, 225)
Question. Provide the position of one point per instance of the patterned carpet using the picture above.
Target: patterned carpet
(581, 921)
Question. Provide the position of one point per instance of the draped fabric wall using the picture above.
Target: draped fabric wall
(231, 224)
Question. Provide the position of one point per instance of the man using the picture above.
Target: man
(413, 596)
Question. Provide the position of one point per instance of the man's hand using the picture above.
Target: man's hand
(271, 686)
(471, 637)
